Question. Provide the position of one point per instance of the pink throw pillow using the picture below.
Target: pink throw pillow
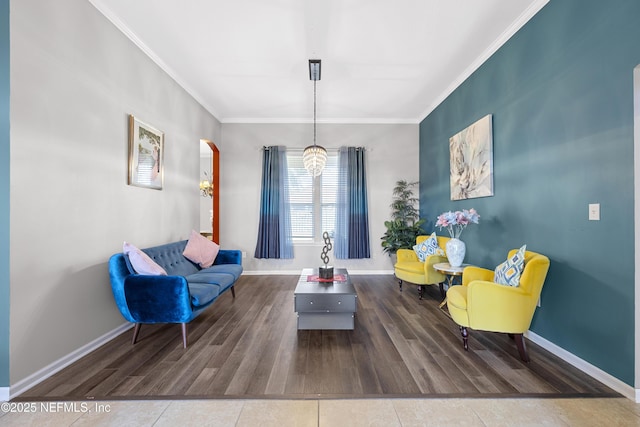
(141, 262)
(201, 250)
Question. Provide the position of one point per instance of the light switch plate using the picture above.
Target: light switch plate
(594, 212)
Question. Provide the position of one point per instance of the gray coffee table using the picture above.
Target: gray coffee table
(325, 305)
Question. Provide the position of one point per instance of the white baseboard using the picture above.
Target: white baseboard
(586, 367)
(46, 372)
(297, 272)
(4, 394)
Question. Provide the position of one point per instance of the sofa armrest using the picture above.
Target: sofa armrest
(158, 299)
(228, 256)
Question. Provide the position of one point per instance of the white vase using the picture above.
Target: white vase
(456, 250)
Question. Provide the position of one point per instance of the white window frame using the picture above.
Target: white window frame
(316, 201)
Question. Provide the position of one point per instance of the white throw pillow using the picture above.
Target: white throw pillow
(141, 262)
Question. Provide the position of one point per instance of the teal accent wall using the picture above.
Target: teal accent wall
(4, 193)
(561, 94)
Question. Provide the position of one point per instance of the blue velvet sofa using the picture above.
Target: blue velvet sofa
(176, 298)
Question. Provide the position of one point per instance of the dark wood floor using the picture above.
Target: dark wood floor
(248, 347)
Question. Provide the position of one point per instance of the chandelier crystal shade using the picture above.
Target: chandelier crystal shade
(314, 156)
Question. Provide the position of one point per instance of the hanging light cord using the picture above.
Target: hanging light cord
(314, 112)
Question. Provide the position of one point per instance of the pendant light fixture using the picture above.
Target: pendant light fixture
(314, 156)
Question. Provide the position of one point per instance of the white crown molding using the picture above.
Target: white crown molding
(111, 16)
(497, 44)
(353, 121)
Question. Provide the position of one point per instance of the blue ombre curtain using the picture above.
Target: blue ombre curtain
(274, 231)
(352, 211)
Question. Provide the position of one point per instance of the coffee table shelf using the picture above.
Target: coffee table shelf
(325, 305)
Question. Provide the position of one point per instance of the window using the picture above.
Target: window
(312, 198)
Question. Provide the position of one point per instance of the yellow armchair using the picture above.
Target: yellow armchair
(484, 305)
(409, 268)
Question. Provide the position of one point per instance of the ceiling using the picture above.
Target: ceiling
(382, 61)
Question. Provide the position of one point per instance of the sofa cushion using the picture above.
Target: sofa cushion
(508, 273)
(201, 250)
(223, 280)
(203, 293)
(141, 262)
(234, 269)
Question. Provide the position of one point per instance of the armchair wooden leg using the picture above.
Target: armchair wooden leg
(465, 337)
(522, 350)
(136, 331)
(442, 293)
(400, 284)
(184, 335)
(233, 291)
(420, 291)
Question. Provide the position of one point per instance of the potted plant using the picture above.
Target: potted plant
(405, 224)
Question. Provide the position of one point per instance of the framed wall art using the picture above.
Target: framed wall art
(146, 150)
(471, 161)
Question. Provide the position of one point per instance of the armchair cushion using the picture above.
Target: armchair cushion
(508, 273)
(458, 299)
(428, 247)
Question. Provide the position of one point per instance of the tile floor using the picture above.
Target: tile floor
(370, 412)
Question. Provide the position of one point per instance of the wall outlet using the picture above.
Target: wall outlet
(244, 254)
(594, 212)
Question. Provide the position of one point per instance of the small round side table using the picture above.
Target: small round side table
(450, 273)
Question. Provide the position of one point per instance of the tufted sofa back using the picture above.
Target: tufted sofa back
(169, 256)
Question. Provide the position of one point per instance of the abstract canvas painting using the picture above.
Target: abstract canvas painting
(471, 161)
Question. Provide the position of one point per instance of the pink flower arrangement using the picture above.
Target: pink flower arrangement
(457, 221)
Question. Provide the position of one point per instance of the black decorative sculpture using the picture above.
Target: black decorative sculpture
(326, 272)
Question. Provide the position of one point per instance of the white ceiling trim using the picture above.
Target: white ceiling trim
(497, 44)
(111, 16)
(355, 121)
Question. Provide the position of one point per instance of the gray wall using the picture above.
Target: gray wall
(4, 193)
(392, 154)
(74, 80)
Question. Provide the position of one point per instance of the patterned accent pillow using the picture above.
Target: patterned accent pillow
(428, 247)
(508, 273)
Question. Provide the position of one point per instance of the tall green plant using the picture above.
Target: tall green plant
(405, 224)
